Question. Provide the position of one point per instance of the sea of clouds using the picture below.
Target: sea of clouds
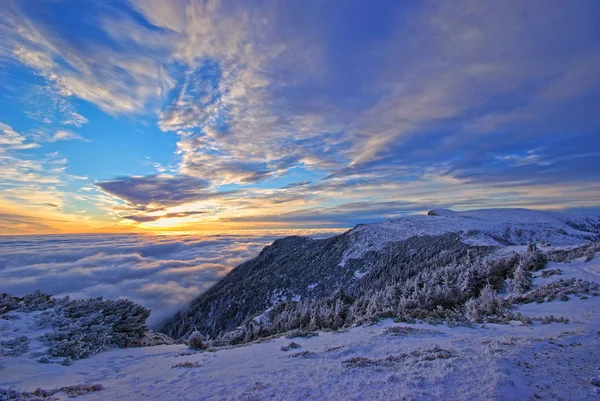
(161, 272)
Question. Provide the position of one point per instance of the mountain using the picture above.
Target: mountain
(319, 282)
(548, 351)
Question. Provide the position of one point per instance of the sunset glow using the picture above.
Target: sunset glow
(143, 116)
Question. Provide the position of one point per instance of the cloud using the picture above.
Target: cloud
(10, 139)
(62, 135)
(141, 218)
(158, 189)
(296, 184)
(163, 273)
(352, 102)
(117, 81)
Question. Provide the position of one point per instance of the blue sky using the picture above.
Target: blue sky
(216, 115)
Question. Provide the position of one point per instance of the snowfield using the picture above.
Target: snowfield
(493, 227)
(385, 361)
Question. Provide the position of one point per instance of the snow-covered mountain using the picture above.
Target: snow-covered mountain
(369, 258)
(479, 312)
(494, 227)
(517, 360)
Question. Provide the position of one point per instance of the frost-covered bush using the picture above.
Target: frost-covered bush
(560, 289)
(8, 303)
(590, 253)
(588, 250)
(301, 333)
(402, 331)
(291, 345)
(82, 328)
(534, 259)
(197, 341)
(302, 354)
(551, 319)
(520, 317)
(15, 347)
(522, 279)
(407, 359)
(551, 272)
(489, 304)
(187, 364)
(36, 301)
(438, 315)
(152, 338)
(41, 394)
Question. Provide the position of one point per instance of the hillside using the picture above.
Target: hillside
(385, 360)
(372, 260)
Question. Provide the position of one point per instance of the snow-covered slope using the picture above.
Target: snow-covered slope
(368, 258)
(415, 361)
(495, 227)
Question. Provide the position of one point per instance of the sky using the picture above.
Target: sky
(190, 115)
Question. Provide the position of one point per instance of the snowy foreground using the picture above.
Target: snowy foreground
(506, 362)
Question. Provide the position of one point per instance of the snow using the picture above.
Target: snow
(485, 227)
(359, 275)
(506, 362)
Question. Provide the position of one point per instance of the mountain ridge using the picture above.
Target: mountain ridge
(296, 268)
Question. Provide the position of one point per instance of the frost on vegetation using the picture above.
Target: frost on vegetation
(588, 251)
(197, 341)
(152, 338)
(551, 272)
(188, 365)
(403, 359)
(401, 331)
(560, 289)
(291, 345)
(302, 354)
(522, 280)
(15, 347)
(41, 394)
(488, 304)
(435, 280)
(301, 333)
(36, 301)
(534, 258)
(551, 319)
(80, 328)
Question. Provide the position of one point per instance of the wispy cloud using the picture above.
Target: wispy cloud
(277, 110)
(63, 135)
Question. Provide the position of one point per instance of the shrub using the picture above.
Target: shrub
(15, 347)
(522, 280)
(489, 304)
(534, 258)
(83, 328)
(560, 289)
(41, 394)
(402, 331)
(197, 341)
(301, 333)
(187, 364)
(551, 272)
(302, 354)
(292, 345)
(566, 255)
